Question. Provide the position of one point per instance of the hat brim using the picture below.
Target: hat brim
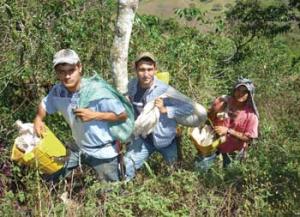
(65, 60)
(145, 55)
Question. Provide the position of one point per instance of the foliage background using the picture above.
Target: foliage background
(203, 65)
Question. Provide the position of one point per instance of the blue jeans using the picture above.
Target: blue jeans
(205, 163)
(106, 169)
(140, 150)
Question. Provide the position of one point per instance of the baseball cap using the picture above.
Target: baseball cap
(145, 55)
(65, 56)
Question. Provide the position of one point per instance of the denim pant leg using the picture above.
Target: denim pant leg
(205, 163)
(106, 169)
(236, 156)
(72, 163)
(137, 153)
(170, 153)
(226, 160)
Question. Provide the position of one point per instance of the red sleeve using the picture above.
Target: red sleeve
(252, 127)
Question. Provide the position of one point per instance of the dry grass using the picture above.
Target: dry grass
(165, 9)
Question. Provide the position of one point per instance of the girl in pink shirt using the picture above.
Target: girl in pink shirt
(241, 126)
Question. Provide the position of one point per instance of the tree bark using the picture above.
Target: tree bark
(119, 52)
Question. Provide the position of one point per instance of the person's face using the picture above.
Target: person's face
(241, 94)
(218, 105)
(145, 71)
(69, 75)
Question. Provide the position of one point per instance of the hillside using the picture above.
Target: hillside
(165, 9)
(212, 9)
(204, 61)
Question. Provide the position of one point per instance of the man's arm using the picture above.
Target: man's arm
(39, 125)
(110, 110)
(173, 107)
(47, 106)
(89, 115)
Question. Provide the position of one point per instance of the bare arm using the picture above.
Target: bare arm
(39, 125)
(238, 135)
(89, 115)
(220, 130)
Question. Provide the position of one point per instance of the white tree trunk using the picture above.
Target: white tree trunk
(119, 52)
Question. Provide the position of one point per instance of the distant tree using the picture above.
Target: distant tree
(295, 5)
(248, 19)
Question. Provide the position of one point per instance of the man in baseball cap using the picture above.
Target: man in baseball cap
(147, 88)
(94, 143)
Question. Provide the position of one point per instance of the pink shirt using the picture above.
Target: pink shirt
(245, 122)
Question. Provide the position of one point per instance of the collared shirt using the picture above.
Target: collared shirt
(138, 101)
(165, 130)
(87, 135)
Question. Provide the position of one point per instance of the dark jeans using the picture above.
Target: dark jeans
(106, 169)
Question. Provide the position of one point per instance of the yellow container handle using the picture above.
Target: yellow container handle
(163, 76)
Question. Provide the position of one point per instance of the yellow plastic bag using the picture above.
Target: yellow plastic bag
(44, 155)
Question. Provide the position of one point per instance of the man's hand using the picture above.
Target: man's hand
(85, 114)
(220, 130)
(39, 126)
(159, 103)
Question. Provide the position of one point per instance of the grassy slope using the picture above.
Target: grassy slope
(166, 8)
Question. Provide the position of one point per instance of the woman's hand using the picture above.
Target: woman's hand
(220, 130)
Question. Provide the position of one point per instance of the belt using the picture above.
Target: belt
(99, 146)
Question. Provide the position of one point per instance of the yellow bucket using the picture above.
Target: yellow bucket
(202, 149)
(163, 76)
(44, 155)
